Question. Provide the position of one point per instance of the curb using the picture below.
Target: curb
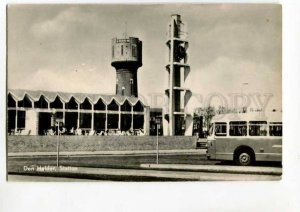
(216, 169)
(106, 177)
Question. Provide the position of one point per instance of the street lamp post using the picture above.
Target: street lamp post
(242, 94)
(57, 142)
(57, 146)
(157, 149)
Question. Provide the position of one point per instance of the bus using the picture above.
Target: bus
(245, 137)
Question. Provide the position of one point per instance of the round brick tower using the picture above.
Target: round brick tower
(126, 59)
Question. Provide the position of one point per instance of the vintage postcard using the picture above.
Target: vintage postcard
(137, 92)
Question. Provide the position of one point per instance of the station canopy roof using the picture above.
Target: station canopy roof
(19, 94)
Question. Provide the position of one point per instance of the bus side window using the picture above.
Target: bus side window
(237, 128)
(275, 128)
(257, 128)
(220, 129)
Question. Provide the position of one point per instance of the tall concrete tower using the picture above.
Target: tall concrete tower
(126, 58)
(177, 119)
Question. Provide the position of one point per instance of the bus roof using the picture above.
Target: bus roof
(251, 116)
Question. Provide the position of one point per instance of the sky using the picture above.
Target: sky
(232, 49)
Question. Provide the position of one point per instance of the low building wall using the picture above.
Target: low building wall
(97, 143)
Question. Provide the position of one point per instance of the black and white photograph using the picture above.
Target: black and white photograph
(157, 92)
(149, 105)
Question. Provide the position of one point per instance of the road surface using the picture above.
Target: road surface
(124, 168)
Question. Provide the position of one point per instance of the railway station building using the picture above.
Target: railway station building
(35, 112)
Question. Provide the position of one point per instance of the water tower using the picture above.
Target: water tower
(126, 59)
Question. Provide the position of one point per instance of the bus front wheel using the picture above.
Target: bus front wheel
(244, 158)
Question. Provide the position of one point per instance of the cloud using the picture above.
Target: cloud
(229, 45)
(85, 79)
(239, 40)
(62, 22)
(226, 75)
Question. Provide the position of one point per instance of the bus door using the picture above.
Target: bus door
(222, 142)
(211, 142)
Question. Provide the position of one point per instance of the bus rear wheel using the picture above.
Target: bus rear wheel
(244, 158)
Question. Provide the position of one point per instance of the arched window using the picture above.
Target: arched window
(41, 103)
(126, 106)
(113, 106)
(57, 103)
(99, 105)
(10, 101)
(86, 105)
(138, 107)
(72, 104)
(26, 102)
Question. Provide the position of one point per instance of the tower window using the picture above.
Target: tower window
(134, 53)
(123, 90)
(131, 86)
(117, 85)
(121, 49)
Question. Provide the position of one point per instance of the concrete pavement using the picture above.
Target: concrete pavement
(139, 174)
(216, 168)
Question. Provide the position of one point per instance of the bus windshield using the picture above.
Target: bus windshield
(210, 131)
